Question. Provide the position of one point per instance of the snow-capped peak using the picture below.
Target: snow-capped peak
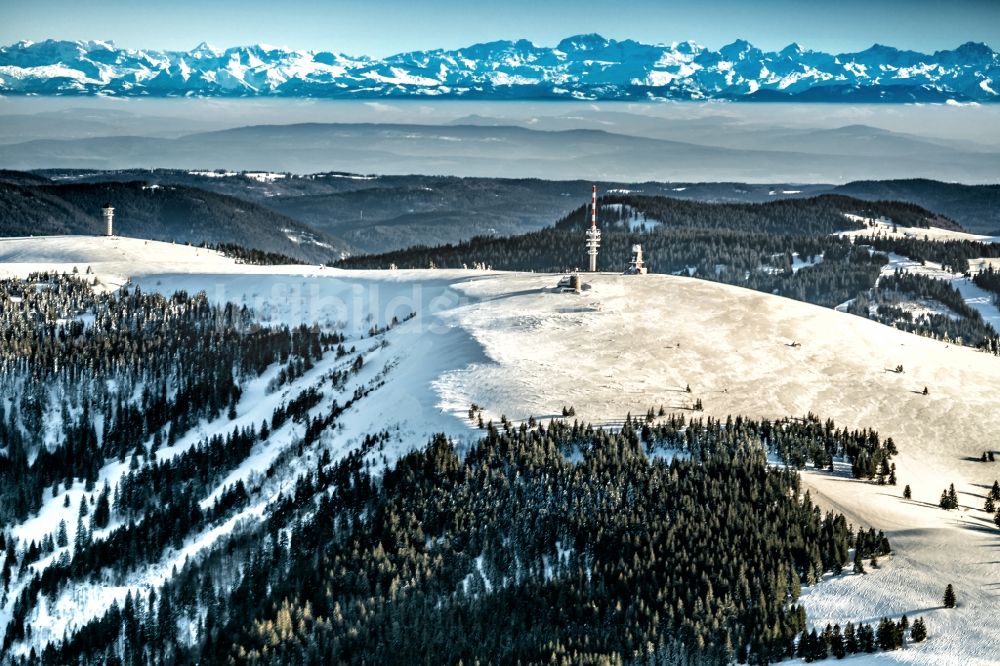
(792, 50)
(583, 42)
(205, 50)
(587, 66)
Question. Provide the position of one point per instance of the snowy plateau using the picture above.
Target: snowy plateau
(580, 67)
(513, 344)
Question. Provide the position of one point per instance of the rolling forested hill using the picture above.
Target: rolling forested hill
(783, 247)
(34, 206)
(377, 214)
(976, 207)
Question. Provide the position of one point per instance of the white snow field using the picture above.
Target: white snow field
(509, 342)
(884, 227)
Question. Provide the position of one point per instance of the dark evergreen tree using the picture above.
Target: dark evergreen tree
(949, 498)
(102, 510)
(850, 639)
(949, 596)
(837, 645)
(866, 638)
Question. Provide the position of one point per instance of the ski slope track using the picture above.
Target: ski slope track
(511, 343)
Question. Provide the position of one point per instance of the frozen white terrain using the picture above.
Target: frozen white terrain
(509, 342)
(883, 227)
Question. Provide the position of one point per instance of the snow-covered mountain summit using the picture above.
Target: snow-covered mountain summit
(582, 66)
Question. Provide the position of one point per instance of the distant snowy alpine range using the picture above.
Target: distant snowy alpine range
(586, 67)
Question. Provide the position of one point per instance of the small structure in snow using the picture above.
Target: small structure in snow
(109, 219)
(569, 283)
(637, 266)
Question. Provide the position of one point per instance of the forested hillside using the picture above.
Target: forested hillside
(976, 207)
(745, 244)
(86, 375)
(422, 564)
(362, 559)
(380, 213)
(293, 518)
(823, 214)
(989, 280)
(953, 255)
(171, 213)
(959, 322)
(377, 213)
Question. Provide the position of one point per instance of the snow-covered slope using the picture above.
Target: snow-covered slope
(117, 257)
(884, 227)
(510, 343)
(584, 66)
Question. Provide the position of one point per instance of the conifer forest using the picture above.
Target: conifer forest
(672, 539)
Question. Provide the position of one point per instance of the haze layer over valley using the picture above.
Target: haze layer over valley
(688, 142)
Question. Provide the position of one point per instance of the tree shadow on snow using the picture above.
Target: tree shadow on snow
(908, 613)
(986, 528)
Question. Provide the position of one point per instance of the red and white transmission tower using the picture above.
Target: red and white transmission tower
(593, 234)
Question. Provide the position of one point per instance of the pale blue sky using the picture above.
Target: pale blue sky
(382, 27)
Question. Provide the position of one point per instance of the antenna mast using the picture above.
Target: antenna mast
(593, 234)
